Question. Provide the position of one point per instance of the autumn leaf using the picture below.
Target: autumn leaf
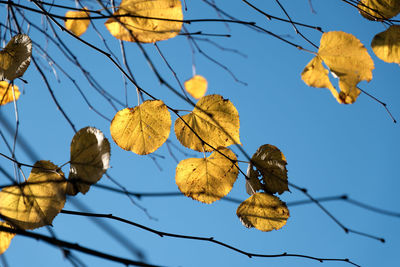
(196, 86)
(90, 159)
(386, 45)
(77, 26)
(347, 59)
(142, 129)
(5, 238)
(270, 164)
(6, 92)
(207, 179)
(149, 21)
(378, 9)
(15, 57)
(214, 119)
(263, 211)
(35, 203)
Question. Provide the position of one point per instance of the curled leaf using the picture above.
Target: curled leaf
(378, 9)
(5, 238)
(263, 211)
(36, 202)
(214, 119)
(6, 92)
(15, 57)
(90, 159)
(146, 21)
(142, 129)
(196, 86)
(269, 163)
(207, 179)
(386, 45)
(77, 26)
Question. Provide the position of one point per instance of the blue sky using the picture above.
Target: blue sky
(331, 149)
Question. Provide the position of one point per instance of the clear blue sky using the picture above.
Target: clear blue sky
(331, 149)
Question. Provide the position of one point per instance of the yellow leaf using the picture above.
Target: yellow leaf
(155, 20)
(207, 179)
(214, 119)
(347, 59)
(5, 238)
(15, 57)
(196, 86)
(6, 93)
(270, 164)
(142, 129)
(77, 26)
(263, 211)
(315, 75)
(378, 9)
(386, 45)
(90, 158)
(35, 203)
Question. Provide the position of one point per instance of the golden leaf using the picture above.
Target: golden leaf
(77, 26)
(149, 21)
(378, 9)
(6, 93)
(386, 45)
(15, 57)
(196, 86)
(207, 179)
(35, 203)
(5, 238)
(347, 59)
(214, 119)
(90, 159)
(315, 75)
(142, 129)
(263, 211)
(270, 164)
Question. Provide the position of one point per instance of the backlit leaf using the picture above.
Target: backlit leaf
(142, 129)
(6, 93)
(5, 238)
(267, 171)
(207, 179)
(214, 119)
(378, 9)
(77, 26)
(196, 86)
(386, 45)
(263, 211)
(15, 57)
(155, 20)
(347, 59)
(90, 158)
(35, 203)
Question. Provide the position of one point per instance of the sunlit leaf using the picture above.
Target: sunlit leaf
(142, 129)
(6, 92)
(15, 57)
(386, 45)
(263, 211)
(214, 119)
(207, 179)
(315, 75)
(90, 158)
(347, 59)
(35, 203)
(378, 9)
(267, 171)
(5, 238)
(196, 86)
(149, 21)
(77, 26)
